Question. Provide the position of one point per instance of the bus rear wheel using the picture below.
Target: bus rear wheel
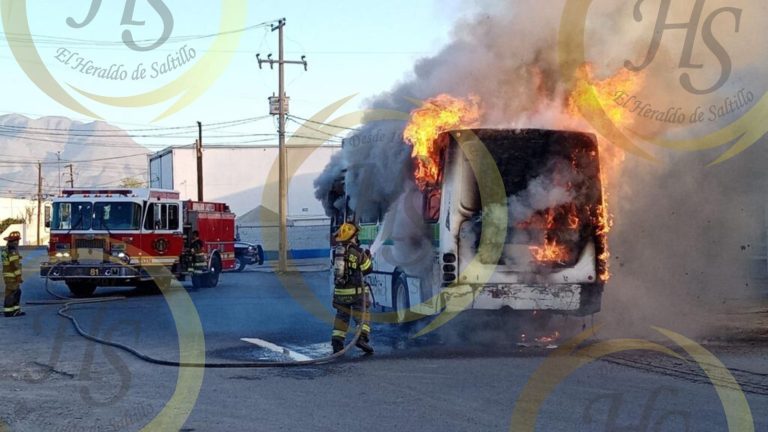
(401, 301)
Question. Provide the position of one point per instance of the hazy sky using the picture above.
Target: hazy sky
(361, 47)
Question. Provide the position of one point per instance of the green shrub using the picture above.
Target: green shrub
(5, 223)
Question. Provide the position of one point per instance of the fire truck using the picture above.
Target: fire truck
(136, 237)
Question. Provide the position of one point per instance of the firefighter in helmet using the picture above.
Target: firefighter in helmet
(12, 275)
(350, 264)
(198, 260)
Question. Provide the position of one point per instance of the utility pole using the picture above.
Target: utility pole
(71, 176)
(281, 151)
(58, 168)
(199, 152)
(39, 197)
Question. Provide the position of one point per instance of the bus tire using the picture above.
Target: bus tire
(400, 299)
(81, 289)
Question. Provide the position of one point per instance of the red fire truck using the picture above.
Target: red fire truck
(136, 237)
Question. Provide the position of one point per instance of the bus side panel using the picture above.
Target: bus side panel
(381, 277)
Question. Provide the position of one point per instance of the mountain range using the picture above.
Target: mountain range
(100, 155)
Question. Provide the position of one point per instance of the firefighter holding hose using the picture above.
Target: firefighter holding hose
(350, 292)
(12, 276)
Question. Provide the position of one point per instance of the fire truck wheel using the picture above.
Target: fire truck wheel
(81, 289)
(212, 277)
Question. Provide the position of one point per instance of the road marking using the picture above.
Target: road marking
(321, 349)
(276, 348)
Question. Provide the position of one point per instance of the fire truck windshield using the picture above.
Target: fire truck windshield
(83, 215)
(72, 215)
(120, 215)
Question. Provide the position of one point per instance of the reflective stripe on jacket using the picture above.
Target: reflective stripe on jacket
(358, 265)
(11, 264)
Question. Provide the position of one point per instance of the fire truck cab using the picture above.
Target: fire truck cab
(136, 237)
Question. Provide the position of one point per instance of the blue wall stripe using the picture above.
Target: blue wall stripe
(299, 254)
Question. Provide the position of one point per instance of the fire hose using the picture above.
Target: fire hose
(68, 302)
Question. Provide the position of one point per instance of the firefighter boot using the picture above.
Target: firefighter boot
(364, 344)
(337, 345)
(14, 314)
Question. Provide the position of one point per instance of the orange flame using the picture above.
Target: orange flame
(553, 220)
(548, 339)
(573, 221)
(604, 225)
(550, 252)
(439, 114)
(606, 94)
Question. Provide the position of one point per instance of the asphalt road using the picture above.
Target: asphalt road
(472, 374)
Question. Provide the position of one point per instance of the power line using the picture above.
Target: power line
(44, 39)
(68, 142)
(228, 122)
(17, 182)
(311, 128)
(323, 124)
(169, 135)
(82, 160)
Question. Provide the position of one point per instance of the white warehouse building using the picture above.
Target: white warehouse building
(238, 176)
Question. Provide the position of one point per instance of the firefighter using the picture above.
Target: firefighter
(12, 276)
(351, 263)
(199, 259)
(196, 244)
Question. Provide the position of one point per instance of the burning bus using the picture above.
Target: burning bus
(498, 219)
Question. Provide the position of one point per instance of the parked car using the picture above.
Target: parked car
(247, 254)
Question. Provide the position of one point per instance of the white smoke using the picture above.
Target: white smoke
(543, 192)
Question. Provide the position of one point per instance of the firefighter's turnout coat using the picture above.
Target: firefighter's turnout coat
(12, 278)
(350, 290)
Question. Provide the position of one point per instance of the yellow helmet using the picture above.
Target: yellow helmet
(345, 232)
